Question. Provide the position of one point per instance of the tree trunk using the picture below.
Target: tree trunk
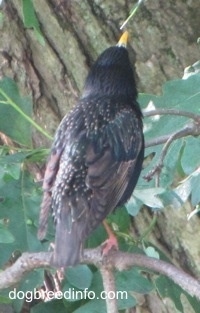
(163, 37)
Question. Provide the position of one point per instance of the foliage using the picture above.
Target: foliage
(30, 19)
(20, 130)
(182, 158)
(20, 198)
(20, 195)
(167, 289)
(18, 115)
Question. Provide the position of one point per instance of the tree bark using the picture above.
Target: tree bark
(163, 37)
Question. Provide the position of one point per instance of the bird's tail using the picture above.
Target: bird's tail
(68, 244)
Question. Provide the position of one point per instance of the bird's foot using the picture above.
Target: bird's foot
(109, 244)
(51, 246)
(60, 274)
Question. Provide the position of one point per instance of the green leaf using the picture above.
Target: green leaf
(5, 300)
(190, 186)
(37, 155)
(186, 96)
(12, 106)
(91, 299)
(133, 281)
(168, 289)
(16, 111)
(12, 170)
(150, 197)
(30, 19)
(134, 205)
(126, 282)
(96, 297)
(49, 307)
(120, 219)
(79, 276)
(22, 199)
(195, 198)
(99, 306)
(151, 252)
(171, 198)
(97, 237)
(190, 159)
(5, 235)
(26, 290)
(93, 306)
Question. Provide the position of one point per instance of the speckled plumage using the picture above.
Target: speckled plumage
(96, 157)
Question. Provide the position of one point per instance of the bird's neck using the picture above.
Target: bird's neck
(112, 82)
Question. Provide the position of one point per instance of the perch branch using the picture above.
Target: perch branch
(24, 264)
(116, 259)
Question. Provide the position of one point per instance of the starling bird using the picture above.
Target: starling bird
(96, 157)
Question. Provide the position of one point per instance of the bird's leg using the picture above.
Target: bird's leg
(60, 273)
(111, 242)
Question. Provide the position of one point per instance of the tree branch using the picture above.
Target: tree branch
(116, 259)
(109, 285)
(195, 117)
(188, 130)
(24, 264)
(184, 132)
(192, 129)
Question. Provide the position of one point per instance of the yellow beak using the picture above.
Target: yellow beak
(123, 40)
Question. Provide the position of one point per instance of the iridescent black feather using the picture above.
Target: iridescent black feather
(96, 157)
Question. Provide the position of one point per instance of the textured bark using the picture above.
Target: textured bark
(163, 36)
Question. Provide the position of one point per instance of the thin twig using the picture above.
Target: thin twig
(115, 259)
(187, 130)
(195, 117)
(160, 140)
(132, 13)
(109, 286)
(192, 129)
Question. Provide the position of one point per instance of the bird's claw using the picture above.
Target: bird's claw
(109, 244)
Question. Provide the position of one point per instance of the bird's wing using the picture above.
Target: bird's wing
(70, 127)
(113, 170)
(49, 177)
(51, 171)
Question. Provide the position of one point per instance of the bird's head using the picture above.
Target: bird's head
(112, 73)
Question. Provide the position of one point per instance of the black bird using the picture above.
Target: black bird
(96, 157)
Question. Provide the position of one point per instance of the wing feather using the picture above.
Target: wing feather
(112, 173)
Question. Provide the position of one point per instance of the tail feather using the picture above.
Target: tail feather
(68, 244)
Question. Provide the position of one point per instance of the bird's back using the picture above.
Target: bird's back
(99, 158)
(96, 157)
